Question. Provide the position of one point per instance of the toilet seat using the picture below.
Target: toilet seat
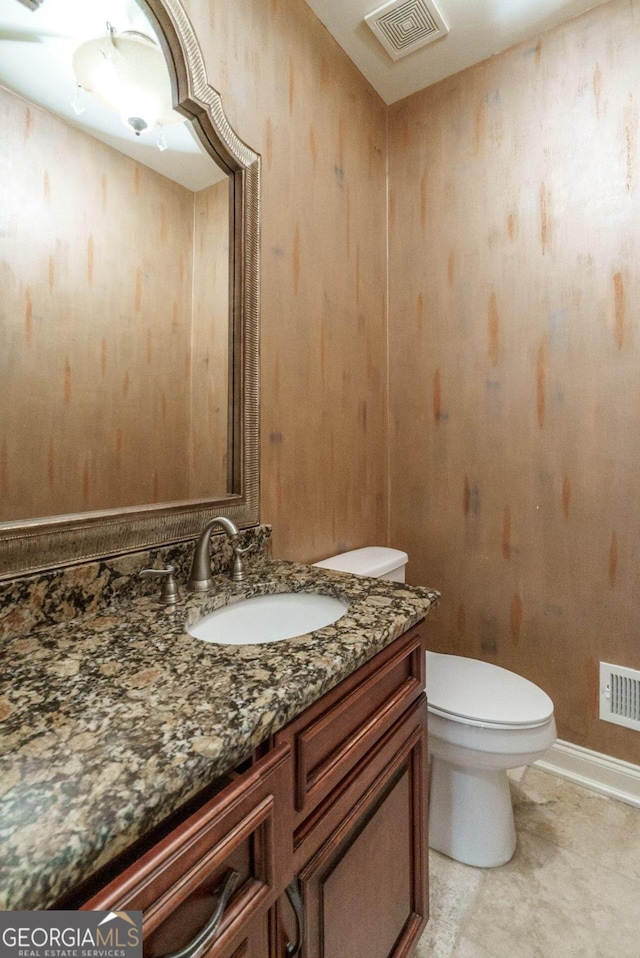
(479, 693)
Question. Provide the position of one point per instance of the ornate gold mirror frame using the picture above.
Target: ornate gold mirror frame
(37, 544)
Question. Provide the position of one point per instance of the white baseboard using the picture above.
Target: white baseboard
(601, 773)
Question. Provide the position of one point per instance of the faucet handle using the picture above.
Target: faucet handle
(240, 552)
(239, 571)
(169, 590)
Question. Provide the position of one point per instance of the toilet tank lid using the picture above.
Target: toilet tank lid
(372, 560)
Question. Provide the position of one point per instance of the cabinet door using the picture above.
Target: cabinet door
(365, 891)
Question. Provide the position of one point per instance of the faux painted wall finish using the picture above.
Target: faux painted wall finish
(88, 330)
(113, 333)
(515, 359)
(293, 95)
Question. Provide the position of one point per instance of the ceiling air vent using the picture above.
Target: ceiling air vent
(403, 26)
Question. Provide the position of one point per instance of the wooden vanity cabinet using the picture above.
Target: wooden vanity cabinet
(326, 832)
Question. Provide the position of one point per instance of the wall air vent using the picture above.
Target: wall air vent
(620, 695)
(403, 26)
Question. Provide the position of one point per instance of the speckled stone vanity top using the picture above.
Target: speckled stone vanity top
(111, 721)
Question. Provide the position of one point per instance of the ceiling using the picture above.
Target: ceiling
(36, 50)
(477, 30)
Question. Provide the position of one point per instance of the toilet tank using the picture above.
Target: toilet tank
(376, 561)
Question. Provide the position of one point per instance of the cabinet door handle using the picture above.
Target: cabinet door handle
(294, 895)
(209, 931)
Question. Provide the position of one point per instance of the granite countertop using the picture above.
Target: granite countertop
(108, 723)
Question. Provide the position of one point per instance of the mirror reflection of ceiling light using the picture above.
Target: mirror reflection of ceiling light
(126, 73)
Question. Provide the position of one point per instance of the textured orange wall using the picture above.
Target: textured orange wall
(515, 359)
(293, 95)
(113, 326)
(95, 323)
(210, 363)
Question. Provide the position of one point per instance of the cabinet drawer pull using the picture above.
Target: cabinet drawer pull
(295, 897)
(210, 929)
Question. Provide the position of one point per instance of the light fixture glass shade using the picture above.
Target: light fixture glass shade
(126, 73)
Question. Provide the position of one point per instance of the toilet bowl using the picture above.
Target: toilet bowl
(483, 721)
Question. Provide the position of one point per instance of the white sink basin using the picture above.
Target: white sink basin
(268, 618)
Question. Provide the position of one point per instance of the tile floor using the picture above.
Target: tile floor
(572, 889)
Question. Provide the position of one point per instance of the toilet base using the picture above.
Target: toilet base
(471, 815)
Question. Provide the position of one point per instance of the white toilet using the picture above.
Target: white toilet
(483, 720)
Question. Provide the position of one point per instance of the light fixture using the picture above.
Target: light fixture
(126, 73)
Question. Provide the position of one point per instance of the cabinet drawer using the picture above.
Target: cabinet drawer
(177, 884)
(330, 737)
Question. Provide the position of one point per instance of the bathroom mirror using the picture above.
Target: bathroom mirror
(143, 438)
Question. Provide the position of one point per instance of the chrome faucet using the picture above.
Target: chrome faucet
(200, 578)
